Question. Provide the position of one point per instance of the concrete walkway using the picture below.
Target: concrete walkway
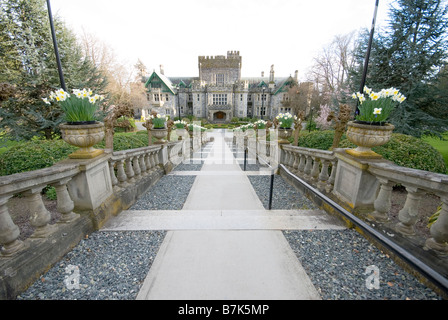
(223, 244)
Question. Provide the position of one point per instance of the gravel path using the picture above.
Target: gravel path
(337, 260)
(284, 196)
(110, 265)
(169, 193)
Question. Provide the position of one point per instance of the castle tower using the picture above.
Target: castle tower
(220, 70)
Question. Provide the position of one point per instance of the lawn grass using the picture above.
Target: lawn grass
(441, 145)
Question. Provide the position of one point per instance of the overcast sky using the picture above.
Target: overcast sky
(285, 33)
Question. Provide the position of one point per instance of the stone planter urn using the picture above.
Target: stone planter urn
(181, 132)
(366, 136)
(84, 136)
(160, 134)
(284, 134)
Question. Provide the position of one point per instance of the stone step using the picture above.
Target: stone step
(222, 220)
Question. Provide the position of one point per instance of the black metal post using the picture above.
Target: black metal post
(366, 60)
(55, 45)
(178, 101)
(270, 190)
(245, 158)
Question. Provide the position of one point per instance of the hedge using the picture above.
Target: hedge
(403, 150)
(34, 155)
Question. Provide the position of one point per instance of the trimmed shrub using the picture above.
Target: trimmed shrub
(322, 140)
(409, 151)
(34, 155)
(403, 150)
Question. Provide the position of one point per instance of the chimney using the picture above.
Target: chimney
(262, 74)
(162, 71)
(271, 75)
(296, 75)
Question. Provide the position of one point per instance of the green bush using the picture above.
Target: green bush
(34, 155)
(409, 151)
(403, 150)
(124, 141)
(322, 140)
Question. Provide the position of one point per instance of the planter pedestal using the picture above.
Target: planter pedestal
(84, 136)
(354, 185)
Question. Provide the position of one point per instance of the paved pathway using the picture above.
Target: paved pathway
(223, 244)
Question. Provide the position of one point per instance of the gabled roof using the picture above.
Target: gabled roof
(281, 86)
(183, 81)
(158, 76)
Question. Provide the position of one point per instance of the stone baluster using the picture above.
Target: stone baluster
(136, 167)
(323, 176)
(129, 170)
(301, 166)
(382, 203)
(113, 178)
(331, 180)
(285, 157)
(65, 204)
(295, 164)
(439, 229)
(39, 215)
(151, 161)
(121, 174)
(147, 162)
(315, 170)
(142, 164)
(408, 215)
(308, 167)
(292, 159)
(9, 232)
(155, 157)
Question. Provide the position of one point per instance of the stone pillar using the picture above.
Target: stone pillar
(93, 185)
(354, 185)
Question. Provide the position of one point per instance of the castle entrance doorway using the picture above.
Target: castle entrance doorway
(219, 116)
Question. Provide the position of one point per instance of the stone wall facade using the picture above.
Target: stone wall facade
(219, 93)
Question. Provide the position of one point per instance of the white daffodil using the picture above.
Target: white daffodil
(367, 90)
(377, 110)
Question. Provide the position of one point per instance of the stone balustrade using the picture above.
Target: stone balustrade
(417, 184)
(89, 192)
(132, 164)
(319, 167)
(29, 185)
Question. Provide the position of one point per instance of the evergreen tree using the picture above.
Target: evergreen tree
(29, 65)
(409, 56)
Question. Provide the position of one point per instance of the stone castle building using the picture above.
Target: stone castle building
(219, 93)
